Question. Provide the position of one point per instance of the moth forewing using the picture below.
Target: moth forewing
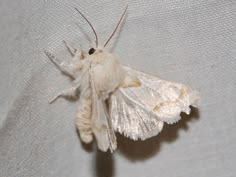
(102, 130)
(139, 112)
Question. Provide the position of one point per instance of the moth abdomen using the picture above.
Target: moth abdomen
(83, 120)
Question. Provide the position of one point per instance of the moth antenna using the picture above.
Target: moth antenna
(89, 25)
(122, 16)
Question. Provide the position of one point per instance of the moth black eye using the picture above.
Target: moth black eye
(91, 51)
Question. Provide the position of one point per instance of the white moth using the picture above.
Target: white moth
(116, 98)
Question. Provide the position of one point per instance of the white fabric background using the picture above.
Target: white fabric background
(187, 41)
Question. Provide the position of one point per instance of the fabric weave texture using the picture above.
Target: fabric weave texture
(185, 41)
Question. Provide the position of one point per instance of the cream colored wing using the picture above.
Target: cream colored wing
(101, 125)
(139, 112)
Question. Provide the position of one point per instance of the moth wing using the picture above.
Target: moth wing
(101, 124)
(139, 112)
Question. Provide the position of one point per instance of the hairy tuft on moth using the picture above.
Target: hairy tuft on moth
(117, 98)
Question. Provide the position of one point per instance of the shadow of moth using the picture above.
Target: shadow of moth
(117, 98)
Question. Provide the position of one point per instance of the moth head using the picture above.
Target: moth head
(97, 49)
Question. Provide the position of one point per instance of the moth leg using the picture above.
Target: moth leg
(62, 66)
(71, 50)
(75, 53)
(79, 54)
(71, 92)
